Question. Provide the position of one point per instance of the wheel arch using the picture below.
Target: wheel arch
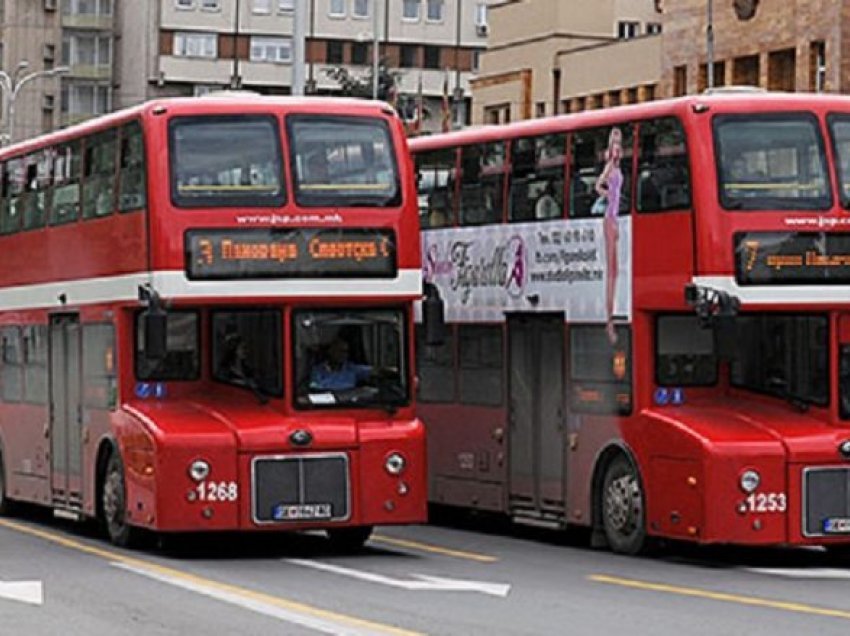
(603, 460)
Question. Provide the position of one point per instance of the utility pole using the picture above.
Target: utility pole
(375, 46)
(299, 47)
(709, 45)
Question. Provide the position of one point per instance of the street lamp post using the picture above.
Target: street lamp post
(12, 86)
(709, 45)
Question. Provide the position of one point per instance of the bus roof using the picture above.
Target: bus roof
(732, 100)
(218, 102)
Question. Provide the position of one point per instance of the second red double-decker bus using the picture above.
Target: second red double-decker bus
(651, 320)
(205, 317)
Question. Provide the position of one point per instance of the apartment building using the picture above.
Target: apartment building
(190, 47)
(553, 56)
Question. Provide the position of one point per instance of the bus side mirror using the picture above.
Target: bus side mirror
(433, 316)
(154, 324)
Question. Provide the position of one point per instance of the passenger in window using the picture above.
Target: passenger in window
(317, 169)
(336, 372)
(234, 364)
(547, 206)
(437, 215)
(608, 187)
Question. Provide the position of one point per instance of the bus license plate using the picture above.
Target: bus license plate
(298, 512)
(836, 525)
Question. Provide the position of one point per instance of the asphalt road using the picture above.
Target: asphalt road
(467, 578)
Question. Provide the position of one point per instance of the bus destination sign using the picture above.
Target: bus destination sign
(792, 258)
(290, 253)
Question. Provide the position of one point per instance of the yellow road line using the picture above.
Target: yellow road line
(261, 597)
(721, 596)
(435, 549)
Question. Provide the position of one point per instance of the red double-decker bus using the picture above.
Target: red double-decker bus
(206, 312)
(650, 311)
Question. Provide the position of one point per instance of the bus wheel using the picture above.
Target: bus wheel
(114, 502)
(349, 539)
(6, 504)
(622, 507)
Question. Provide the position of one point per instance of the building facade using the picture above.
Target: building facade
(557, 56)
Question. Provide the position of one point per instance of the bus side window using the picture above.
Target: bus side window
(537, 178)
(131, 179)
(11, 365)
(684, 352)
(66, 184)
(99, 383)
(15, 176)
(587, 163)
(600, 375)
(436, 368)
(99, 175)
(482, 183)
(480, 364)
(663, 181)
(36, 190)
(436, 178)
(35, 359)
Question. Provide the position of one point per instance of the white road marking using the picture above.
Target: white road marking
(420, 582)
(22, 591)
(327, 626)
(804, 573)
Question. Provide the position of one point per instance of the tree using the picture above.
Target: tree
(361, 86)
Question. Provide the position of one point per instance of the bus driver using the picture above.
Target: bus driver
(337, 372)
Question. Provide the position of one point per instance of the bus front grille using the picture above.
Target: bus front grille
(827, 501)
(303, 488)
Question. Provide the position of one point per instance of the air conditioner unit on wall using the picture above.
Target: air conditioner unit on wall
(50, 5)
(482, 29)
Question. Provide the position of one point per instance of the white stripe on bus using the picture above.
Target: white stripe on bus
(776, 294)
(174, 284)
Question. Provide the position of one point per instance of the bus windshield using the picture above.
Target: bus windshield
(350, 358)
(225, 161)
(343, 162)
(770, 162)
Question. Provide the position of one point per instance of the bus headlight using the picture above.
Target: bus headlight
(199, 470)
(395, 463)
(750, 480)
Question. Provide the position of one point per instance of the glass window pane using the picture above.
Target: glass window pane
(436, 177)
(601, 171)
(436, 368)
(246, 350)
(225, 161)
(182, 360)
(100, 388)
(35, 372)
(343, 162)
(11, 364)
(663, 181)
(480, 364)
(771, 161)
(132, 191)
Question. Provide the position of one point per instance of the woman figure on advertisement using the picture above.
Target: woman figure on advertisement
(608, 187)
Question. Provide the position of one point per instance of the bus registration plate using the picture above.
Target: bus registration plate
(298, 512)
(836, 525)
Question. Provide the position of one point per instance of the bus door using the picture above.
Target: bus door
(537, 429)
(66, 412)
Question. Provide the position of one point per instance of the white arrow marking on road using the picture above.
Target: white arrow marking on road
(810, 573)
(422, 582)
(22, 591)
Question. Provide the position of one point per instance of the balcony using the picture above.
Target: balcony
(90, 71)
(88, 21)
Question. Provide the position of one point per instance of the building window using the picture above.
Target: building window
(476, 61)
(195, 44)
(627, 29)
(432, 57)
(285, 6)
(481, 14)
(359, 53)
(266, 49)
(334, 52)
(87, 99)
(817, 66)
(104, 7)
(410, 9)
(336, 8)
(86, 49)
(653, 28)
(211, 5)
(680, 81)
(261, 7)
(540, 109)
(360, 9)
(184, 4)
(435, 10)
(409, 56)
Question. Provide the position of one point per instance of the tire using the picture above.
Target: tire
(114, 506)
(349, 539)
(6, 504)
(622, 506)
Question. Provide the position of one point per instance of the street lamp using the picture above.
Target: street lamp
(12, 85)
